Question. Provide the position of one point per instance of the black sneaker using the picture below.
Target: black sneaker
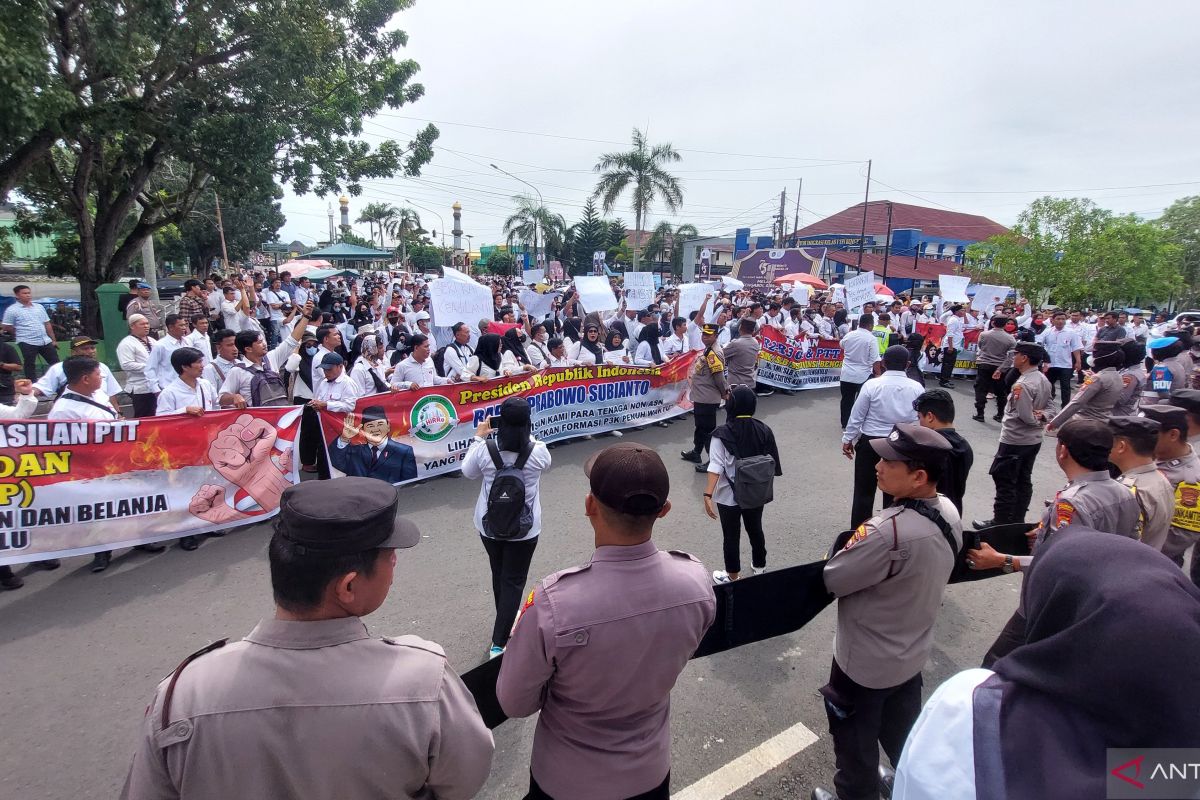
(998, 417)
(9, 581)
(189, 543)
(702, 467)
(946, 384)
(100, 561)
(48, 565)
(980, 524)
(977, 417)
(691, 455)
(151, 548)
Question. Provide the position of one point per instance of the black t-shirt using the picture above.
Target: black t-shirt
(8, 355)
(953, 482)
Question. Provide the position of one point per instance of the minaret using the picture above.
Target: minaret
(344, 202)
(332, 234)
(457, 225)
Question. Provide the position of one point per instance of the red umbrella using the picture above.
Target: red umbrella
(801, 277)
(880, 288)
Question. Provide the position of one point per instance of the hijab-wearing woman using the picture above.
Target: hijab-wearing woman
(300, 365)
(362, 315)
(370, 372)
(572, 329)
(742, 436)
(649, 352)
(589, 349)
(615, 343)
(1112, 640)
(509, 558)
(485, 364)
(513, 359)
(841, 323)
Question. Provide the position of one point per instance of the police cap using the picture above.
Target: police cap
(327, 519)
(1171, 418)
(1187, 399)
(1032, 350)
(1133, 426)
(709, 329)
(1161, 342)
(911, 442)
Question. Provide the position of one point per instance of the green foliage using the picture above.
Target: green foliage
(425, 257)
(615, 232)
(533, 222)
(666, 244)
(348, 236)
(501, 263)
(589, 234)
(642, 171)
(1181, 222)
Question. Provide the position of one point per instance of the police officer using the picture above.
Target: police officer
(993, 360)
(1134, 442)
(1100, 391)
(1021, 434)
(1168, 371)
(889, 579)
(309, 705)
(1178, 461)
(1189, 401)
(598, 647)
(1091, 499)
(707, 387)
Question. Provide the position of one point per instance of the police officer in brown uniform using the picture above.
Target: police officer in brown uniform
(1135, 440)
(309, 705)
(597, 648)
(1179, 462)
(1102, 389)
(707, 387)
(889, 580)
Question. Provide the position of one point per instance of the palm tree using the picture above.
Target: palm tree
(531, 219)
(682, 234)
(666, 243)
(641, 169)
(400, 224)
(376, 214)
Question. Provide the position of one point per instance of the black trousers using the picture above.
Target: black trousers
(705, 415)
(660, 792)
(862, 719)
(1012, 472)
(312, 449)
(1060, 380)
(985, 384)
(1083, 364)
(30, 352)
(144, 405)
(862, 507)
(731, 536)
(510, 570)
(1012, 636)
(949, 359)
(849, 395)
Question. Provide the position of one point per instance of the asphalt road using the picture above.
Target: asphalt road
(82, 653)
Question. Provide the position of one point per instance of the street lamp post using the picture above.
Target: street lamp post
(541, 204)
(441, 222)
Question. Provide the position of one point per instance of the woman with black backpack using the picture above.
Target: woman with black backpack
(743, 462)
(508, 513)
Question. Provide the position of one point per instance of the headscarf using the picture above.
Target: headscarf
(362, 316)
(649, 335)
(596, 348)
(1112, 642)
(839, 318)
(516, 425)
(512, 343)
(610, 340)
(488, 350)
(372, 349)
(571, 329)
(742, 434)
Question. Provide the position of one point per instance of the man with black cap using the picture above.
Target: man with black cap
(1021, 434)
(707, 387)
(1100, 391)
(1135, 440)
(381, 456)
(1179, 462)
(337, 392)
(597, 648)
(882, 403)
(889, 579)
(1091, 499)
(309, 705)
(54, 382)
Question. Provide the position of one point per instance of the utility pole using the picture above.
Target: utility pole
(221, 230)
(796, 221)
(887, 245)
(862, 239)
(782, 218)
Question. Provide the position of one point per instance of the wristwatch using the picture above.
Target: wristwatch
(1008, 565)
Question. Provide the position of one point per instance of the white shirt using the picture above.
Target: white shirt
(720, 463)
(539, 354)
(177, 396)
(693, 334)
(860, 351)
(66, 408)
(644, 357)
(674, 345)
(478, 464)
(55, 379)
(201, 342)
(953, 340)
(133, 357)
(938, 762)
(580, 355)
(561, 363)
(339, 395)
(1060, 345)
(360, 373)
(216, 370)
(26, 405)
(410, 373)
(882, 403)
(454, 360)
(159, 366)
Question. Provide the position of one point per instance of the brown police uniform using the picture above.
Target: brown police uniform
(1152, 490)
(707, 387)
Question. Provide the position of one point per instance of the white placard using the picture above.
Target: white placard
(691, 297)
(800, 294)
(859, 290)
(615, 356)
(537, 306)
(987, 297)
(839, 294)
(453, 300)
(595, 293)
(953, 287)
(532, 276)
(732, 284)
(455, 275)
(639, 289)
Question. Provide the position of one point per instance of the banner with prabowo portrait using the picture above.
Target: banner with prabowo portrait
(406, 436)
(932, 353)
(798, 363)
(72, 487)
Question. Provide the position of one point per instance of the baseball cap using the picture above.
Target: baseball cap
(337, 518)
(143, 285)
(630, 478)
(82, 341)
(330, 360)
(911, 442)
(422, 315)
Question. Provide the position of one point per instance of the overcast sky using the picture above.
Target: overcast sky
(975, 109)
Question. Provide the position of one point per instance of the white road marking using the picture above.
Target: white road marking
(749, 766)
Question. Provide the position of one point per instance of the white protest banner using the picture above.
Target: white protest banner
(595, 293)
(953, 287)
(691, 296)
(453, 300)
(532, 276)
(859, 290)
(839, 293)
(731, 284)
(537, 306)
(800, 294)
(639, 289)
(988, 296)
(455, 275)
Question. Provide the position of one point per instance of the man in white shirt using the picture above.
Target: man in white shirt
(860, 352)
(459, 351)
(188, 393)
(175, 337)
(257, 363)
(55, 380)
(275, 299)
(199, 337)
(417, 371)
(880, 405)
(303, 292)
(677, 342)
(422, 326)
(1065, 349)
(558, 354)
(133, 354)
(337, 392)
(410, 317)
(30, 324)
(216, 370)
(952, 341)
(329, 339)
(26, 404)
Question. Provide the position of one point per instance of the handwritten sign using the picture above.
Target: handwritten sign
(859, 290)
(639, 289)
(453, 300)
(537, 306)
(953, 287)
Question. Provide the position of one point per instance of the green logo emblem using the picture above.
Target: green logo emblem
(432, 418)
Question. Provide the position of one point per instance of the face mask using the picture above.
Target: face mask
(311, 351)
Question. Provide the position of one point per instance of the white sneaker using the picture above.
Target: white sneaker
(495, 651)
(617, 434)
(758, 570)
(721, 576)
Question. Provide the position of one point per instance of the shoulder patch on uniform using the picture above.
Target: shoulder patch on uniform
(682, 554)
(714, 361)
(415, 642)
(1127, 381)
(860, 533)
(528, 600)
(1064, 512)
(1016, 391)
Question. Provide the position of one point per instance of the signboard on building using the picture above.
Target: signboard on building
(759, 269)
(275, 247)
(838, 241)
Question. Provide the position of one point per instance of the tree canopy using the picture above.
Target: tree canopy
(641, 170)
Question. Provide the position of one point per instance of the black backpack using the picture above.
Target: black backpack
(507, 515)
(439, 360)
(266, 387)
